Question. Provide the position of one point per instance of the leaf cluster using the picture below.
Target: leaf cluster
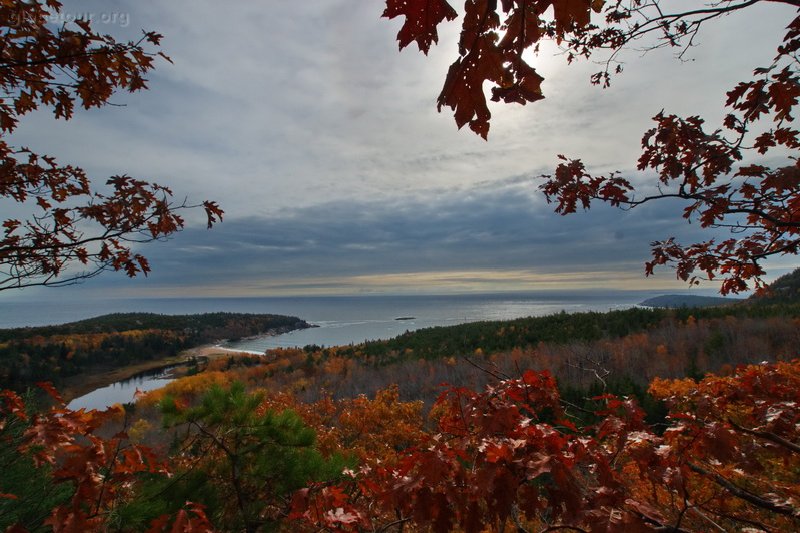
(75, 229)
(715, 172)
(494, 37)
(508, 456)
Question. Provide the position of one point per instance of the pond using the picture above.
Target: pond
(123, 391)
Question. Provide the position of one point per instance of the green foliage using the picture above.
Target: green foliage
(496, 336)
(560, 328)
(239, 459)
(785, 289)
(208, 326)
(50, 353)
(582, 404)
(159, 495)
(34, 491)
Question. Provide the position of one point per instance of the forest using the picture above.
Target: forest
(577, 421)
(619, 352)
(52, 353)
(642, 420)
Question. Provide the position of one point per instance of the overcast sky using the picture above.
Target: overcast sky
(323, 145)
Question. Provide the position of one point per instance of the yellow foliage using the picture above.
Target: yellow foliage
(187, 388)
(299, 385)
(138, 430)
(662, 389)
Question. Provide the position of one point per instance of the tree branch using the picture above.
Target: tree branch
(766, 435)
(758, 501)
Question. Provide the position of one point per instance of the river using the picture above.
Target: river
(123, 391)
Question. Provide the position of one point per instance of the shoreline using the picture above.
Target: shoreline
(77, 386)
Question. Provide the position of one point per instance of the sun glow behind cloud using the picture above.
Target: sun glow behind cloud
(337, 174)
(435, 282)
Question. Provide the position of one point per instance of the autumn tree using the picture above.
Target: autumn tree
(717, 172)
(244, 456)
(58, 226)
(61, 474)
(511, 458)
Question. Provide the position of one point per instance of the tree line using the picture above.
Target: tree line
(512, 455)
(52, 353)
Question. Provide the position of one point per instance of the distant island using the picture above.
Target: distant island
(405, 318)
(675, 301)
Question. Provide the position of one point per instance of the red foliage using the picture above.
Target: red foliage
(510, 456)
(193, 519)
(422, 18)
(72, 222)
(705, 169)
(483, 54)
(101, 471)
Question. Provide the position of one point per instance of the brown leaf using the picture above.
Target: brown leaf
(422, 19)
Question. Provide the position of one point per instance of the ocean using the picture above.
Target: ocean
(341, 319)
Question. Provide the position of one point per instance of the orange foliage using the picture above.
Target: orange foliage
(378, 429)
(337, 365)
(186, 389)
(729, 459)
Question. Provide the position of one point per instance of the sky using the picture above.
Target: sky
(323, 145)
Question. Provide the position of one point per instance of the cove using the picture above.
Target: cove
(123, 391)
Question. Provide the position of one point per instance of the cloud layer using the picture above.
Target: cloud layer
(323, 145)
(491, 237)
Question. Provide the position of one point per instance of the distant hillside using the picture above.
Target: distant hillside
(52, 353)
(505, 335)
(785, 289)
(675, 301)
(207, 326)
(626, 348)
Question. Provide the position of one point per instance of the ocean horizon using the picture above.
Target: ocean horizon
(340, 319)
(42, 312)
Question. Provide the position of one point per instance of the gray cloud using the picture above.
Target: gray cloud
(454, 238)
(324, 146)
(277, 104)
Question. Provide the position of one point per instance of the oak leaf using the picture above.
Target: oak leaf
(422, 19)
